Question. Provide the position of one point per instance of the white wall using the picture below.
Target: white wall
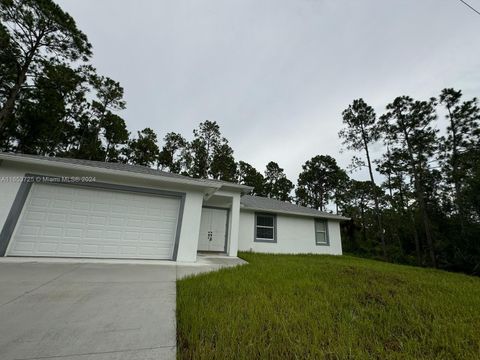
(295, 235)
(187, 248)
(192, 213)
(8, 191)
(229, 200)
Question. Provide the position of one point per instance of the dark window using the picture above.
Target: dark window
(265, 227)
(265, 220)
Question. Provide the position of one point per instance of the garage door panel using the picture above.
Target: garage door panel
(68, 248)
(47, 247)
(129, 250)
(136, 210)
(77, 218)
(73, 233)
(116, 220)
(70, 221)
(80, 205)
(57, 217)
(30, 230)
(93, 234)
(97, 220)
(35, 216)
(89, 249)
(100, 207)
(109, 250)
(27, 246)
(151, 224)
(52, 231)
(61, 204)
(150, 237)
(40, 203)
(113, 235)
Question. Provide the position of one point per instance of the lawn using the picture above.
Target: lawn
(326, 307)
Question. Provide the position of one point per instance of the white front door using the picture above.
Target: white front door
(213, 230)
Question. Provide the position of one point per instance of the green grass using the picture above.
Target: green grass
(325, 307)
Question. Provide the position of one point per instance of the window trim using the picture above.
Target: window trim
(327, 237)
(272, 241)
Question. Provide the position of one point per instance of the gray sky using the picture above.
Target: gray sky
(276, 74)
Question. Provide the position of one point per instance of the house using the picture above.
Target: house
(59, 207)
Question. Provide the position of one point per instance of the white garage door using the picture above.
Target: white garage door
(72, 221)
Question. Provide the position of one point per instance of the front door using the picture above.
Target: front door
(213, 230)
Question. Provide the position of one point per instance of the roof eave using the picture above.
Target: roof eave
(98, 170)
(296, 213)
(244, 189)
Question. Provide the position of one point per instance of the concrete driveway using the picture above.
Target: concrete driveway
(92, 310)
(79, 311)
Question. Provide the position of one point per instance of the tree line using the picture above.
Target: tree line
(425, 210)
(53, 102)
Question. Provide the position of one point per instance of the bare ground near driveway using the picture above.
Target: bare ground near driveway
(86, 310)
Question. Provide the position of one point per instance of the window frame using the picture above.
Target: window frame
(327, 238)
(274, 227)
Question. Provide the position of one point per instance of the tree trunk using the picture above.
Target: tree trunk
(421, 200)
(389, 175)
(425, 219)
(409, 214)
(9, 105)
(455, 173)
(107, 149)
(389, 182)
(364, 229)
(428, 232)
(7, 108)
(381, 231)
(418, 251)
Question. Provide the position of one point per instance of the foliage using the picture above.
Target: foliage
(407, 125)
(319, 182)
(170, 158)
(47, 112)
(38, 32)
(360, 126)
(361, 130)
(223, 166)
(115, 134)
(206, 139)
(248, 175)
(431, 185)
(144, 149)
(277, 186)
(459, 145)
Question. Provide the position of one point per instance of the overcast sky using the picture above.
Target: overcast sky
(276, 74)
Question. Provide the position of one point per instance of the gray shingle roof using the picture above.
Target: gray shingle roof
(272, 205)
(103, 165)
(122, 167)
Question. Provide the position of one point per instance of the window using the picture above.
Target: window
(265, 228)
(321, 232)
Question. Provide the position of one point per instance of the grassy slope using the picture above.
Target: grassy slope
(325, 307)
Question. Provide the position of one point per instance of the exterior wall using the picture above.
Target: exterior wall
(234, 227)
(192, 213)
(188, 241)
(295, 235)
(233, 218)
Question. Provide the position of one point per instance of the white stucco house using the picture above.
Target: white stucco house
(59, 207)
